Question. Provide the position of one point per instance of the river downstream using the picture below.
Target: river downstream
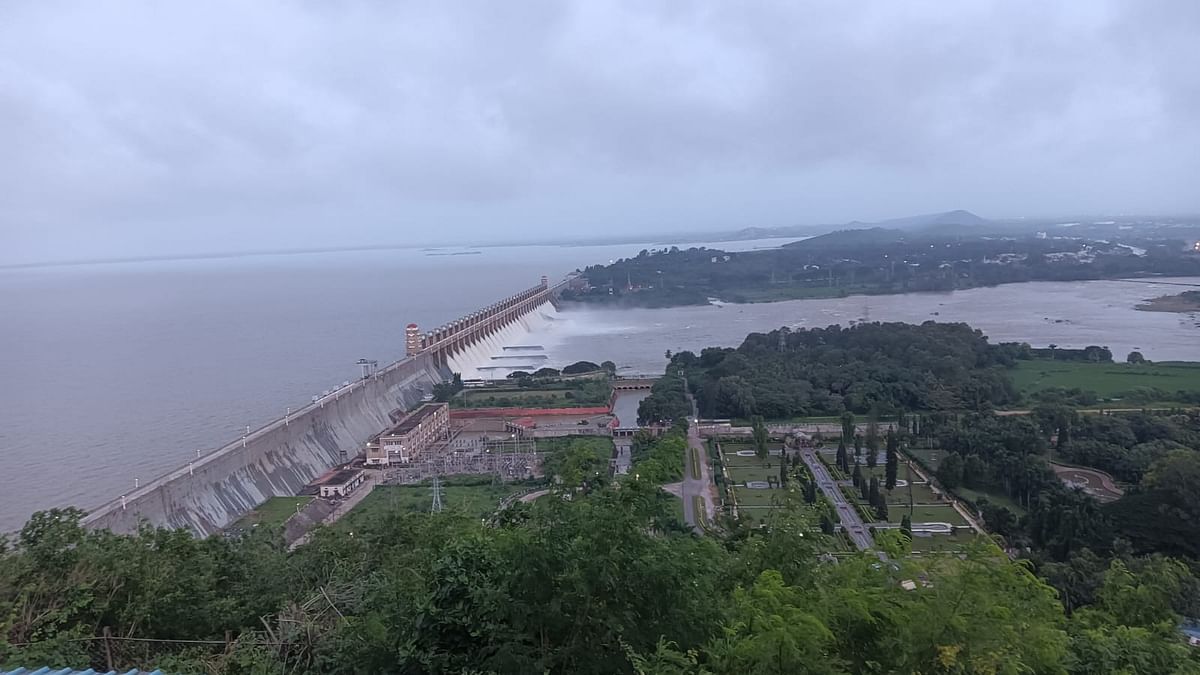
(1068, 314)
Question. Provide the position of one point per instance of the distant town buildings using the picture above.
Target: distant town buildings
(411, 437)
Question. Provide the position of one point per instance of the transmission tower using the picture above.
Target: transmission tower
(437, 496)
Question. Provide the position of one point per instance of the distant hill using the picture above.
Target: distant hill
(958, 217)
(944, 222)
(847, 239)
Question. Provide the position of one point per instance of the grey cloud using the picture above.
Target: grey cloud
(135, 128)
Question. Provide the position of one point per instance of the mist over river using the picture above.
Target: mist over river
(112, 372)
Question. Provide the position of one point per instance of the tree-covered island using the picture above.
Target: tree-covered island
(871, 261)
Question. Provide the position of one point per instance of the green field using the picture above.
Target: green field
(921, 494)
(928, 513)
(273, 512)
(1106, 379)
(477, 500)
(942, 542)
(754, 514)
(747, 497)
(531, 398)
(741, 474)
(928, 457)
(734, 460)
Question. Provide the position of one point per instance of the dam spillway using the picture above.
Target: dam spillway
(282, 457)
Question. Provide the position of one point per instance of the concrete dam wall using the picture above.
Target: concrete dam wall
(276, 460)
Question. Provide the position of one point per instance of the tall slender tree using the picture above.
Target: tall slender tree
(847, 425)
(893, 460)
(760, 434)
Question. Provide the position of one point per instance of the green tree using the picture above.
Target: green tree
(950, 471)
(580, 367)
(848, 428)
(893, 459)
(760, 435)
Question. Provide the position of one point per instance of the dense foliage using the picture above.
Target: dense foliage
(603, 581)
(870, 261)
(883, 367)
(1124, 445)
(667, 401)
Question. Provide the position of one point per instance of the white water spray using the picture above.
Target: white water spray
(511, 348)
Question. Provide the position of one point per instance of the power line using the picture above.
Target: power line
(437, 495)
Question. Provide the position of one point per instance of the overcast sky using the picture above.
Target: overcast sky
(136, 128)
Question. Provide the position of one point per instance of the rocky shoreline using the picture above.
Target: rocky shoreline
(1188, 301)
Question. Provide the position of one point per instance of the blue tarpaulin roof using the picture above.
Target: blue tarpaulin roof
(72, 671)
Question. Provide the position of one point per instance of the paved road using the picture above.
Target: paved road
(846, 512)
(344, 506)
(623, 458)
(696, 486)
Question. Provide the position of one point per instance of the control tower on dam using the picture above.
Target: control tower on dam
(282, 457)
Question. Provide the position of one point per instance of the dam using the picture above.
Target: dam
(280, 458)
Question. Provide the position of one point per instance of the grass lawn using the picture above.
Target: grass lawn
(929, 457)
(273, 512)
(928, 513)
(477, 500)
(921, 494)
(749, 497)
(677, 508)
(1106, 379)
(754, 514)
(550, 396)
(942, 542)
(768, 463)
(741, 474)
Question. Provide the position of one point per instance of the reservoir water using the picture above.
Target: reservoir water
(116, 372)
(120, 371)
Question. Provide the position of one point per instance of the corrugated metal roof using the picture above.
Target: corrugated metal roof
(71, 671)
